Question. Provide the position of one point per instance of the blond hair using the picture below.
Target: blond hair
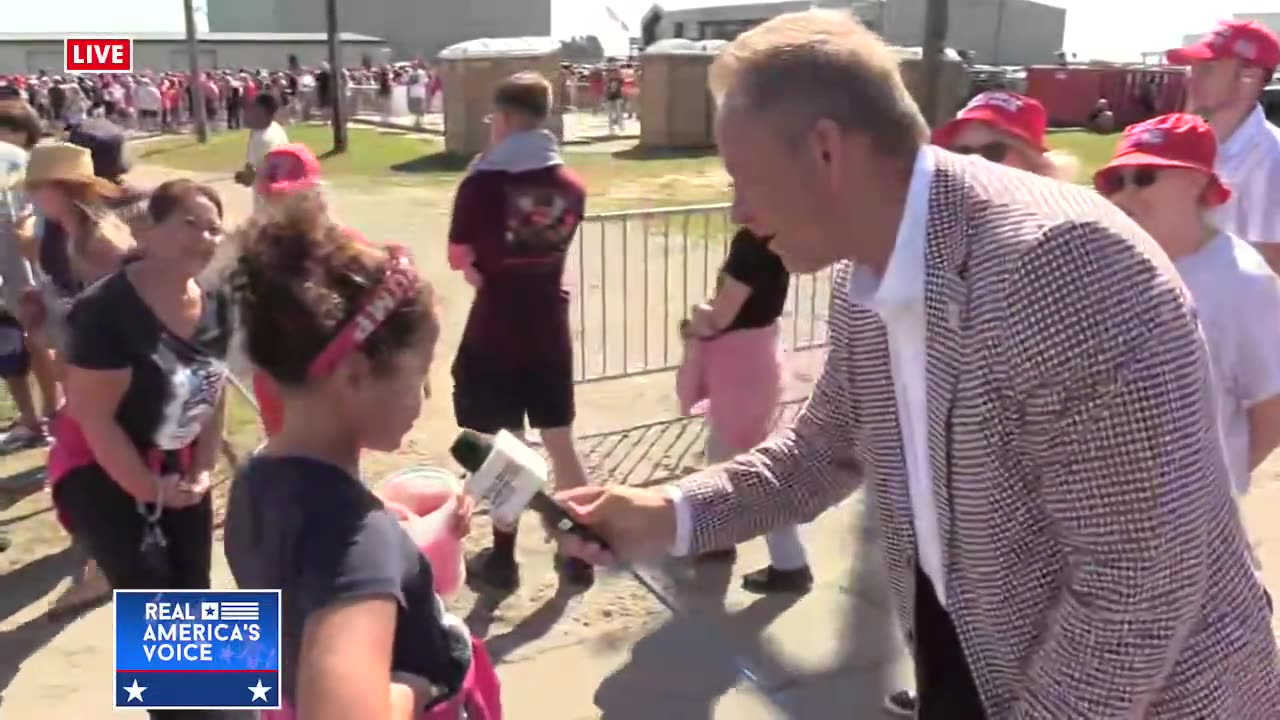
(99, 240)
(808, 66)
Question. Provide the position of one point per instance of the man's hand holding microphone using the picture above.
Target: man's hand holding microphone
(597, 524)
(636, 523)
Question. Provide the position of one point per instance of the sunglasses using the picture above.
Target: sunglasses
(1141, 178)
(994, 151)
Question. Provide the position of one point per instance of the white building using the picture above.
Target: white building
(159, 51)
(1270, 19)
(997, 32)
(413, 28)
(726, 19)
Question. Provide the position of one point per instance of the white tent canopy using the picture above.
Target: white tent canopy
(493, 48)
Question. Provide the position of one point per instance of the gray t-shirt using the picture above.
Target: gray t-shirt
(312, 531)
(1237, 298)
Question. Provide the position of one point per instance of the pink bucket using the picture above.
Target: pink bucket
(426, 498)
(481, 694)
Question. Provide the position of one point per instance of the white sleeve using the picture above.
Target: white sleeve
(1258, 213)
(684, 521)
(1258, 366)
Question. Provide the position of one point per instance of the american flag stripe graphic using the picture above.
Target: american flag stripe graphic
(238, 611)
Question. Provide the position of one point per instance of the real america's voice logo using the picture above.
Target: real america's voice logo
(197, 649)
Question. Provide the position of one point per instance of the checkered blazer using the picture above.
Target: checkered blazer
(1096, 563)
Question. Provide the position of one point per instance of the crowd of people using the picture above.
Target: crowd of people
(1055, 395)
(151, 101)
(163, 101)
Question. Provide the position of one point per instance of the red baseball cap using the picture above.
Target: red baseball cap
(1177, 140)
(288, 168)
(1011, 113)
(1246, 40)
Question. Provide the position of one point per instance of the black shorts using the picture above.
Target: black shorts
(490, 395)
(15, 361)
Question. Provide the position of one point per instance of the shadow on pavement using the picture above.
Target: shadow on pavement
(481, 616)
(870, 646)
(534, 626)
(440, 162)
(20, 588)
(25, 585)
(683, 668)
(806, 664)
(641, 152)
(22, 642)
(17, 487)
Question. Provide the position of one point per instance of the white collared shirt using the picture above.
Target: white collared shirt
(1249, 163)
(898, 298)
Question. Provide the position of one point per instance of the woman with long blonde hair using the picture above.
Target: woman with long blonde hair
(65, 191)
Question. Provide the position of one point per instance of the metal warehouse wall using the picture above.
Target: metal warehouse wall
(242, 15)
(420, 28)
(1029, 32)
(165, 55)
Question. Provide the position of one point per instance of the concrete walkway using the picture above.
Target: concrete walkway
(835, 648)
(613, 652)
(832, 653)
(579, 127)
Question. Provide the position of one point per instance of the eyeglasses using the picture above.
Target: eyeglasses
(994, 151)
(1141, 178)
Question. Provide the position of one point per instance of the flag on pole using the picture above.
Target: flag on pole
(608, 9)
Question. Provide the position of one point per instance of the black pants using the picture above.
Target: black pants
(105, 520)
(944, 682)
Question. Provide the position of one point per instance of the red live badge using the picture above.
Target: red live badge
(98, 55)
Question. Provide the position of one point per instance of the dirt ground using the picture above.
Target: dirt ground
(39, 565)
(63, 670)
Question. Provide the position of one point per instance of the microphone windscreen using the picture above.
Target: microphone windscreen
(471, 449)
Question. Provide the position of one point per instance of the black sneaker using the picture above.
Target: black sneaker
(497, 570)
(902, 703)
(771, 580)
(727, 555)
(575, 572)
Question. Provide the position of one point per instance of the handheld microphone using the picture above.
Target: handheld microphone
(510, 476)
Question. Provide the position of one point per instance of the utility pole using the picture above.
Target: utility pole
(197, 90)
(934, 50)
(337, 87)
(995, 51)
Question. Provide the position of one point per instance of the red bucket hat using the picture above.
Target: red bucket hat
(1177, 140)
(287, 169)
(1017, 115)
(1246, 40)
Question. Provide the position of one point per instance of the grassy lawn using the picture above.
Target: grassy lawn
(619, 179)
(1092, 150)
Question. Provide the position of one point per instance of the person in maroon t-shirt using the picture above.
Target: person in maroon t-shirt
(514, 217)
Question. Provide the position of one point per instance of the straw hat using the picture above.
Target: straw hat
(64, 162)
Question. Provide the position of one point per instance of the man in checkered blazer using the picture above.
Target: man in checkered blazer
(1016, 377)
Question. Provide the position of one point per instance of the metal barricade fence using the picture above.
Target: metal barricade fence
(634, 276)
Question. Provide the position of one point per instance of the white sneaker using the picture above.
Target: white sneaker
(22, 437)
